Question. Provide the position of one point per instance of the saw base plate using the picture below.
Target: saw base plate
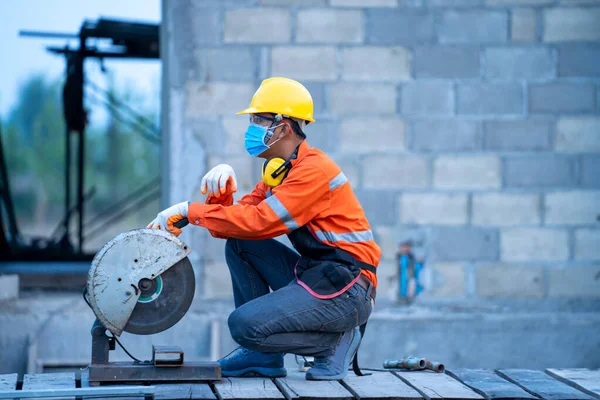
(147, 372)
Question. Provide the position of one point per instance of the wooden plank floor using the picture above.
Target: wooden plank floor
(58, 380)
(295, 386)
(380, 385)
(438, 386)
(588, 381)
(248, 388)
(460, 384)
(488, 384)
(543, 385)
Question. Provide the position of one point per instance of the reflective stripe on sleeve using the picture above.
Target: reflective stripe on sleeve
(338, 181)
(282, 212)
(351, 237)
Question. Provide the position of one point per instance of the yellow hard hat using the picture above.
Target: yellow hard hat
(282, 96)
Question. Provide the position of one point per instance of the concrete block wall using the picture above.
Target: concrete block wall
(470, 126)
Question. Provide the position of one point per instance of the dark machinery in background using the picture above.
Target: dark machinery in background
(124, 40)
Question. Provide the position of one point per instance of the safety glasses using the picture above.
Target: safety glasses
(260, 120)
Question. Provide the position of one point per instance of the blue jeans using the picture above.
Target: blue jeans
(288, 319)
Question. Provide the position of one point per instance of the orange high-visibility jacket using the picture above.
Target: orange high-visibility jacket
(316, 193)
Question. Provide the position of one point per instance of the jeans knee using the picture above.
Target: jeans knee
(242, 330)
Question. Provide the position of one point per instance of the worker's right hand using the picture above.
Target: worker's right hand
(219, 180)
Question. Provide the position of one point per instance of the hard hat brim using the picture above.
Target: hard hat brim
(254, 110)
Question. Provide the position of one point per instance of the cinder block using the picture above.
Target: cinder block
(329, 26)
(389, 238)
(518, 2)
(395, 172)
(466, 172)
(446, 62)
(372, 63)
(579, 60)
(578, 135)
(234, 129)
(534, 244)
(316, 63)
(445, 135)
(208, 132)
(362, 98)
(288, 3)
(364, 3)
(392, 27)
(473, 26)
(504, 209)
(571, 24)
(379, 205)
(587, 244)
(323, 134)
(356, 138)
(523, 25)
(433, 209)
(215, 64)
(578, 2)
(448, 280)
(505, 280)
(246, 173)
(455, 3)
(562, 98)
(317, 92)
(257, 25)
(523, 135)
(573, 281)
(350, 166)
(490, 98)
(572, 208)
(590, 174)
(540, 171)
(519, 63)
(218, 98)
(427, 98)
(9, 287)
(463, 244)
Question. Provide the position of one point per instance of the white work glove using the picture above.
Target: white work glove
(217, 180)
(165, 220)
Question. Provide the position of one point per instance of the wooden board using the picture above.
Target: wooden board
(542, 385)
(380, 385)
(437, 386)
(179, 391)
(489, 384)
(248, 388)
(586, 380)
(295, 386)
(8, 382)
(85, 382)
(58, 380)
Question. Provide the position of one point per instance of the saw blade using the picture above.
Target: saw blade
(163, 300)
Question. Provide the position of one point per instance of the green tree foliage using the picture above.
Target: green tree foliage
(118, 160)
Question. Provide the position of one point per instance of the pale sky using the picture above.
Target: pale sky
(20, 57)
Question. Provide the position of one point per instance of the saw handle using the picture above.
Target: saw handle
(181, 223)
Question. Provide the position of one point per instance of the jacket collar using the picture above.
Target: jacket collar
(302, 151)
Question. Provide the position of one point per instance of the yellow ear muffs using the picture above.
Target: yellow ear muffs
(274, 171)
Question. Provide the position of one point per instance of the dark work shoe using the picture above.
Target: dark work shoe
(336, 366)
(244, 362)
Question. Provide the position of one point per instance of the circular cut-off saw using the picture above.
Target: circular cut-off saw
(141, 282)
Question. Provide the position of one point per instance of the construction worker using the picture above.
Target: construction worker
(310, 301)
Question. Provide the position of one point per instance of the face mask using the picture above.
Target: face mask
(255, 138)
